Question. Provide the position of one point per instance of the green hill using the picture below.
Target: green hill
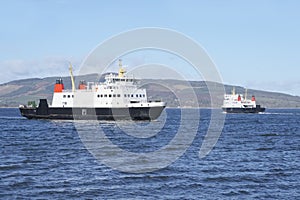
(17, 92)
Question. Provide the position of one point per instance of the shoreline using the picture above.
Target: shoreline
(281, 108)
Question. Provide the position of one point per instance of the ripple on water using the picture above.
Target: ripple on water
(256, 156)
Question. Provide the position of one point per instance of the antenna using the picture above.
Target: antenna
(120, 63)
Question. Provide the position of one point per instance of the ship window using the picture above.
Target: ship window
(132, 95)
(72, 96)
(64, 96)
(101, 95)
(124, 95)
(118, 95)
(105, 95)
(68, 96)
(109, 95)
(136, 95)
(140, 95)
(114, 95)
(143, 95)
(98, 95)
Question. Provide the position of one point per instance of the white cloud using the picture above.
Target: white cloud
(22, 69)
(284, 86)
(58, 66)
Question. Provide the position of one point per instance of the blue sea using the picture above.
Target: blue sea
(257, 156)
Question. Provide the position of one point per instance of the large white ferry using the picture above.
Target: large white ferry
(118, 97)
(238, 103)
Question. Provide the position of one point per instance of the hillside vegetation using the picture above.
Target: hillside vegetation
(174, 92)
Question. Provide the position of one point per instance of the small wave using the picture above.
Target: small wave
(264, 149)
(269, 134)
(218, 179)
(14, 118)
(235, 193)
(278, 174)
(9, 167)
(21, 183)
(275, 113)
(231, 193)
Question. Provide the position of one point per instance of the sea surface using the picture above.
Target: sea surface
(256, 157)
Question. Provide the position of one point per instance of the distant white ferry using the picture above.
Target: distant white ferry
(237, 103)
(119, 97)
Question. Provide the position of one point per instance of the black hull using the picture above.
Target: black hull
(132, 113)
(258, 109)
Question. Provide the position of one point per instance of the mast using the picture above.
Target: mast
(121, 69)
(246, 91)
(72, 77)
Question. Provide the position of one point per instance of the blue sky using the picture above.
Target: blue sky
(255, 44)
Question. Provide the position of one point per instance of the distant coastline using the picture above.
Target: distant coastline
(17, 92)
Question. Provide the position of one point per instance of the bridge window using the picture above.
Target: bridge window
(118, 95)
(109, 95)
(105, 95)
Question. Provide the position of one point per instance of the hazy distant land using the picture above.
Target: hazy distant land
(14, 93)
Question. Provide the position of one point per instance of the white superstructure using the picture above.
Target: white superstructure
(238, 101)
(118, 91)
